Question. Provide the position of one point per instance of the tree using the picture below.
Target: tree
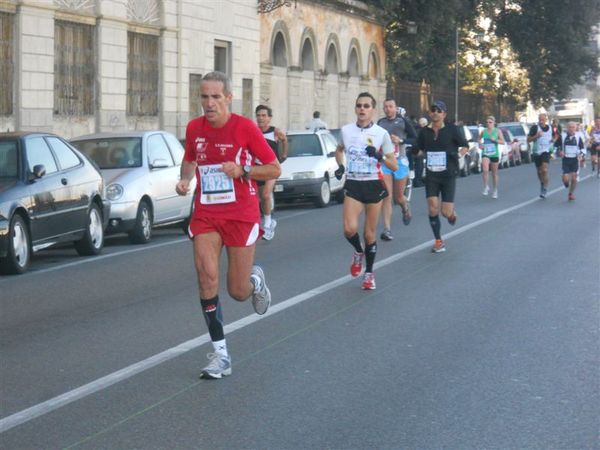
(429, 54)
(549, 38)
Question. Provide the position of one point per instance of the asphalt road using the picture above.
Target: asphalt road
(493, 344)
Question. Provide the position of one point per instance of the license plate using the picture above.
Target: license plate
(278, 188)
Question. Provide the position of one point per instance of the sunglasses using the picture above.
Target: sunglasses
(435, 109)
(363, 105)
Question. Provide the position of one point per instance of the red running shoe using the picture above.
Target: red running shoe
(356, 267)
(368, 281)
(439, 246)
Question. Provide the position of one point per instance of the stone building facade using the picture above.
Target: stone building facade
(74, 67)
(81, 66)
(318, 55)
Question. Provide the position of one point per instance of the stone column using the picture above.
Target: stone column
(112, 75)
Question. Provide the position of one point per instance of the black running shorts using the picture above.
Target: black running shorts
(540, 159)
(436, 185)
(367, 191)
(570, 165)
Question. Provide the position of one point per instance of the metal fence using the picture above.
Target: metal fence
(416, 97)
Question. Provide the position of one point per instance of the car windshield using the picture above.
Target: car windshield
(516, 130)
(303, 145)
(113, 153)
(8, 159)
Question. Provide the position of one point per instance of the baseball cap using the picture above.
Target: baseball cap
(440, 104)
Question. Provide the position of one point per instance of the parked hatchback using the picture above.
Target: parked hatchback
(49, 193)
(308, 171)
(140, 169)
(519, 131)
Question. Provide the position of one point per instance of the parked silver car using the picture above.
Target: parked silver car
(140, 169)
(519, 131)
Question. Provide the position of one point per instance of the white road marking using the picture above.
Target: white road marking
(40, 409)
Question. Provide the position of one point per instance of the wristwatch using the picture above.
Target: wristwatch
(246, 168)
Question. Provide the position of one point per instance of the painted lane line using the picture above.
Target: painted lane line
(40, 409)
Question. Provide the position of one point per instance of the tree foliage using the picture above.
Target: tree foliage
(534, 49)
(550, 38)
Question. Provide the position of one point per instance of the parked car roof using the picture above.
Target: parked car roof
(106, 135)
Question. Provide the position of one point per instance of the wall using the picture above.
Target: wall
(294, 93)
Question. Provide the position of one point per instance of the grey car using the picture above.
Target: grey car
(49, 194)
(140, 170)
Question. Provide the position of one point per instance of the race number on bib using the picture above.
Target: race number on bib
(489, 149)
(215, 186)
(570, 151)
(436, 161)
(543, 147)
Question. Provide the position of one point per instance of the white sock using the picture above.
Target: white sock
(220, 347)
(267, 220)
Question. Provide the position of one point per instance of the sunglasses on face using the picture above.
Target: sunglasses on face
(363, 105)
(435, 109)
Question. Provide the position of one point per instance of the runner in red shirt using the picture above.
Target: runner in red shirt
(220, 150)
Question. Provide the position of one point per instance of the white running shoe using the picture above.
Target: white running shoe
(269, 232)
(486, 190)
(219, 366)
(495, 193)
(261, 297)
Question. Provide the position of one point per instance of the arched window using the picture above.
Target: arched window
(373, 66)
(279, 51)
(331, 62)
(308, 56)
(353, 68)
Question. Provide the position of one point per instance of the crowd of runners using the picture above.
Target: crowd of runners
(236, 162)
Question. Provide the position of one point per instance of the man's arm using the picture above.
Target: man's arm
(262, 172)
(282, 143)
(187, 173)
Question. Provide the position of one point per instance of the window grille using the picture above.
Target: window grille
(6, 63)
(74, 69)
(142, 74)
(223, 57)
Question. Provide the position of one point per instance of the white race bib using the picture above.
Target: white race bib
(215, 186)
(436, 161)
(570, 151)
(543, 147)
(489, 149)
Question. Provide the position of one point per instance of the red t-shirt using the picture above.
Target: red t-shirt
(240, 141)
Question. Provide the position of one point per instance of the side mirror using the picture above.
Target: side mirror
(159, 164)
(39, 170)
(331, 155)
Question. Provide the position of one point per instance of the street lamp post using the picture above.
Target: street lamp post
(456, 78)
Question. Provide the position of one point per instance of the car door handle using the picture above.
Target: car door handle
(64, 181)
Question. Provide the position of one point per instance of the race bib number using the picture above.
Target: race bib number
(215, 186)
(489, 149)
(570, 151)
(543, 147)
(436, 161)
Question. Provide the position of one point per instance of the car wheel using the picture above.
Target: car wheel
(93, 238)
(18, 254)
(142, 230)
(324, 194)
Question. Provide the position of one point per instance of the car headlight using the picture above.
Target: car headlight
(523, 146)
(303, 175)
(114, 191)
